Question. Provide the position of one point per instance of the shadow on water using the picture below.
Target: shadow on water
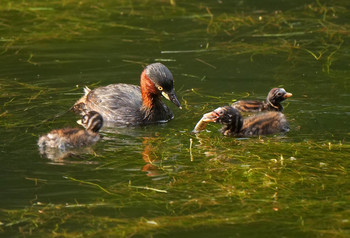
(162, 180)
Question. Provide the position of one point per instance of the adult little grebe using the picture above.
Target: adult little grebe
(74, 137)
(127, 104)
(234, 124)
(272, 103)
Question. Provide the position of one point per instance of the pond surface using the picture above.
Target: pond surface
(162, 180)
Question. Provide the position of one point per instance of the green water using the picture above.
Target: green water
(162, 180)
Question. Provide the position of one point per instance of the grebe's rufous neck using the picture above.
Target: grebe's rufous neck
(126, 104)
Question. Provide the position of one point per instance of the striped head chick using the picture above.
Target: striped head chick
(235, 125)
(272, 102)
(74, 137)
(275, 97)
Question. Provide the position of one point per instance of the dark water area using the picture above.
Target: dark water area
(162, 180)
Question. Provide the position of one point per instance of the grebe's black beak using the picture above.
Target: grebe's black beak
(172, 97)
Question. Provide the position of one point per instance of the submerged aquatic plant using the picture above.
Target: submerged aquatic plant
(232, 188)
(310, 31)
(315, 29)
(167, 181)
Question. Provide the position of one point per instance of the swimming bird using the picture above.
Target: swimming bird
(234, 124)
(127, 104)
(74, 137)
(272, 103)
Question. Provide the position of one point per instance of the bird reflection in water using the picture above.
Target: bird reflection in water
(153, 155)
(68, 156)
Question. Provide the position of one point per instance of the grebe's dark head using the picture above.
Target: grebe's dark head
(277, 95)
(163, 81)
(92, 121)
(227, 116)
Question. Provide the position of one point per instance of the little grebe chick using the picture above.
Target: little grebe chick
(272, 103)
(126, 104)
(234, 124)
(74, 137)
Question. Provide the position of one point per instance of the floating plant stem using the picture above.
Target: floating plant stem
(206, 63)
(148, 188)
(191, 144)
(89, 183)
(182, 51)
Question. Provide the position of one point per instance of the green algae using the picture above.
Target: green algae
(163, 181)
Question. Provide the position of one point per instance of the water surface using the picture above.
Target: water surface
(162, 180)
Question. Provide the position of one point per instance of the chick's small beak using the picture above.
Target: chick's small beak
(80, 122)
(287, 95)
(172, 97)
(210, 117)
